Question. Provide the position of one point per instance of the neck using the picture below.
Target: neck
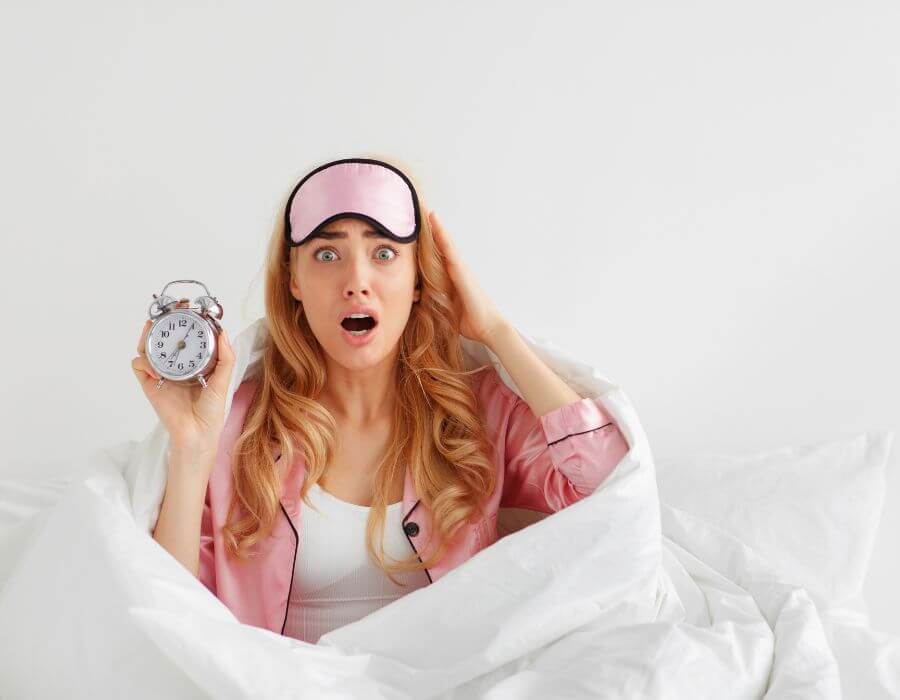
(361, 397)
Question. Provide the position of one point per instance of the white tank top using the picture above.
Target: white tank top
(335, 580)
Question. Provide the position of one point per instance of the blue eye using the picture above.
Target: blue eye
(325, 250)
(387, 247)
(331, 250)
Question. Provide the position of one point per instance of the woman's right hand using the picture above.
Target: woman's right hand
(193, 416)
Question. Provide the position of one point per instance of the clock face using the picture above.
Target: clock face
(179, 343)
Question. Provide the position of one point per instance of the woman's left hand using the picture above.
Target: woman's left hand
(479, 318)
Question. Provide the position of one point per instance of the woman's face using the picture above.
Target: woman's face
(350, 263)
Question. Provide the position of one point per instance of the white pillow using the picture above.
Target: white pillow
(813, 511)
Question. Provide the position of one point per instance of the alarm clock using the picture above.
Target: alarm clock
(182, 342)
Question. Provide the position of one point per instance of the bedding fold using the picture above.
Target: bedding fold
(618, 595)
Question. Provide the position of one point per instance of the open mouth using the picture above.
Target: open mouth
(358, 326)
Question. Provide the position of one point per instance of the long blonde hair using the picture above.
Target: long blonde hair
(437, 429)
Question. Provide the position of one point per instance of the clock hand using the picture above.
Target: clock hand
(181, 344)
(180, 305)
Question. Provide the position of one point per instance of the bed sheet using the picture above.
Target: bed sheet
(619, 595)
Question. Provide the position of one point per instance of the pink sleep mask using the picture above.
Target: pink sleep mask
(365, 188)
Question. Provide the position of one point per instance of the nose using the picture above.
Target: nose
(357, 277)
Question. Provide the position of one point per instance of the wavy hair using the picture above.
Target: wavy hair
(436, 428)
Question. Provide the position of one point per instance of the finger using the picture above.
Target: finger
(140, 345)
(226, 352)
(144, 374)
(443, 238)
(221, 375)
(436, 226)
(143, 364)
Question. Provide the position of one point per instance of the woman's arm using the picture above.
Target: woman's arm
(179, 523)
(541, 388)
(557, 446)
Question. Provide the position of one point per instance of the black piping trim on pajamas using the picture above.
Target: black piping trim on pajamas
(581, 433)
(293, 563)
(410, 541)
(293, 567)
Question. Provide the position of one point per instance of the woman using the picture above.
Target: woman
(364, 428)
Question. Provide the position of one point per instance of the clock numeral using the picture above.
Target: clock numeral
(159, 344)
(171, 325)
(182, 322)
(162, 354)
(203, 344)
(181, 365)
(199, 355)
(192, 363)
(200, 333)
(164, 334)
(171, 362)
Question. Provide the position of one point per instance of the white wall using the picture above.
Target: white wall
(701, 199)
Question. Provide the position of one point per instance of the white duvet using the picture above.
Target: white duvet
(743, 582)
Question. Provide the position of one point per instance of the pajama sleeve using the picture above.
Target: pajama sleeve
(556, 459)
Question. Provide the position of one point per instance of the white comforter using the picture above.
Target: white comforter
(617, 596)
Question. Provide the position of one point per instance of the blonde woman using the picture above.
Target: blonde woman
(364, 461)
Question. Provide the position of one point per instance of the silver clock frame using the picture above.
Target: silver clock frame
(205, 311)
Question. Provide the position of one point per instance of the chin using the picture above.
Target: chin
(364, 356)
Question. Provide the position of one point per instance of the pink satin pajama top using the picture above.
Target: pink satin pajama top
(543, 463)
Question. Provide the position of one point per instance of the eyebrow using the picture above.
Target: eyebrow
(331, 235)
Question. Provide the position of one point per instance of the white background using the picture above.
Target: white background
(702, 200)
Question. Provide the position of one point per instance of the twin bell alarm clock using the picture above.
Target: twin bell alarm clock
(182, 341)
